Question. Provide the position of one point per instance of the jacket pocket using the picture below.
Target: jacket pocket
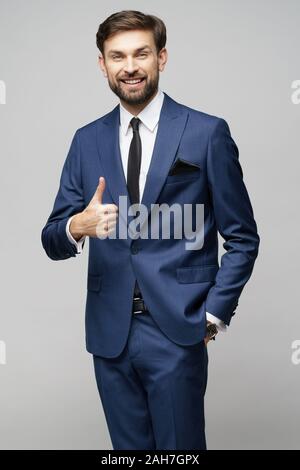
(94, 282)
(190, 274)
(180, 165)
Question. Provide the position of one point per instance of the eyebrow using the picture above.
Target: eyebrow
(137, 50)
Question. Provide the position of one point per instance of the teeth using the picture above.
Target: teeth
(133, 81)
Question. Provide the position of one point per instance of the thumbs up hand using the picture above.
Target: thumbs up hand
(97, 220)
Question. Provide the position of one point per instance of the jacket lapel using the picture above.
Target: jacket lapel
(170, 129)
(110, 155)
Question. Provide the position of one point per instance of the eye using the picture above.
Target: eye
(142, 54)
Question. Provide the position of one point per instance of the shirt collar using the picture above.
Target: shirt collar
(149, 115)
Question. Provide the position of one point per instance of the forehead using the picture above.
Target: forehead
(128, 41)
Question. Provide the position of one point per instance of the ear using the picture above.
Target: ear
(102, 65)
(162, 58)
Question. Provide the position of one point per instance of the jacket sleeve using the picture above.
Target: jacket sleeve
(69, 201)
(235, 222)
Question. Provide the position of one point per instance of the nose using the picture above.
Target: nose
(130, 67)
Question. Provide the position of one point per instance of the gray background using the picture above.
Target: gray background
(235, 59)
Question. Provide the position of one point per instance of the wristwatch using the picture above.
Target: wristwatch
(211, 331)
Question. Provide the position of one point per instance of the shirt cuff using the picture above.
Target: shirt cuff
(219, 323)
(79, 244)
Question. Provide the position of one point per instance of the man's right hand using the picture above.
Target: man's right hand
(96, 220)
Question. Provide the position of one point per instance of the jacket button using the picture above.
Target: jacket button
(134, 249)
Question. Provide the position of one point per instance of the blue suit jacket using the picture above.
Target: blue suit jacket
(178, 285)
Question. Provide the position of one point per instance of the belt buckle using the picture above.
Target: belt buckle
(143, 305)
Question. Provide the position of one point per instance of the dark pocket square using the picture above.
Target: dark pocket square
(182, 166)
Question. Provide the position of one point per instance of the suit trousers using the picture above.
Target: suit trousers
(152, 394)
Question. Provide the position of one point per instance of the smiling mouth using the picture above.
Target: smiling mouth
(133, 83)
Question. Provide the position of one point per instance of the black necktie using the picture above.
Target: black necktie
(133, 173)
(134, 163)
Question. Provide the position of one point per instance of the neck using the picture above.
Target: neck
(136, 109)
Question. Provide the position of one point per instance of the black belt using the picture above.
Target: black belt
(138, 306)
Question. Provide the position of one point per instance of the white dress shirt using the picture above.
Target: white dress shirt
(149, 117)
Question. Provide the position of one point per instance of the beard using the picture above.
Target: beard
(136, 97)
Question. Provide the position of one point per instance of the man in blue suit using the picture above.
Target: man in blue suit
(152, 304)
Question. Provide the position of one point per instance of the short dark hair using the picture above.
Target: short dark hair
(127, 20)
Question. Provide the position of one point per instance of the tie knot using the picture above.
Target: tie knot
(135, 123)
